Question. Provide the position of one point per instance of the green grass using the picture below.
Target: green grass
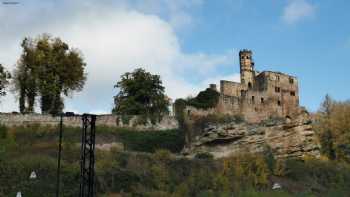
(144, 141)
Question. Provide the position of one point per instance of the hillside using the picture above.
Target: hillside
(146, 167)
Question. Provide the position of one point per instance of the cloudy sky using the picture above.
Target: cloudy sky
(190, 43)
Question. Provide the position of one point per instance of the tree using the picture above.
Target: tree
(4, 80)
(140, 93)
(333, 127)
(326, 138)
(326, 106)
(205, 99)
(48, 68)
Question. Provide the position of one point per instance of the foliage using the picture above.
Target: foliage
(150, 141)
(319, 174)
(205, 99)
(247, 170)
(204, 155)
(180, 105)
(4, 80)
(333, 128)
(140, 93)
(144, 141)
(47, 67)
(157, 174)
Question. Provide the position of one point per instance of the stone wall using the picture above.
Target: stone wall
(167, 122)
(230, 88)
(273, 94)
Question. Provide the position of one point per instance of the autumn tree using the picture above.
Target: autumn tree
(4, 80)
(333, 127)
(140, 93)
(50, 69)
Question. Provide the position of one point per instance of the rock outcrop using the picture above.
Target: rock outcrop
(287, 138)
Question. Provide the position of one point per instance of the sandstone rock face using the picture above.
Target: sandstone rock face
(287, 138)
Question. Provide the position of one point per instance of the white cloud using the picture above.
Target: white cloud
(297, 10)
(113, 41)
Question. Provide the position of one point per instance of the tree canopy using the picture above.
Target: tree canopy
(205, 99)
(140, 93)
(4, 80)
(333, 127)
(47, 68)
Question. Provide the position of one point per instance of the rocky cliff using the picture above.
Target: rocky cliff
(289, 137)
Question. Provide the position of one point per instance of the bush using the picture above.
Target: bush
(205, 99)
(3, 131)
(150, 141)
(247, 170)
(318, 174)
(204, 155)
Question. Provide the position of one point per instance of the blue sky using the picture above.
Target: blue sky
(190, 43)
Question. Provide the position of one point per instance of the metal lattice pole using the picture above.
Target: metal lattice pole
(59, 156)
(87, 162)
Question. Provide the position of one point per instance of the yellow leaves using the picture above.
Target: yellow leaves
(247, 168)
(333, 126)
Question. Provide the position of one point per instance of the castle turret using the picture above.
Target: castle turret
(246, 67)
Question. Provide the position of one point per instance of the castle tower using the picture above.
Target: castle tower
(246, 67)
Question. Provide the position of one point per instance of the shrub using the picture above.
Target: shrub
(150, 141)
(247, 170)
(3, 131)
(204, 155)
(205, 99)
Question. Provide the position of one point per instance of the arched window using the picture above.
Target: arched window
(249, 85)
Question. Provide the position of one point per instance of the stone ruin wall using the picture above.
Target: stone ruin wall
(109, 120)
(262, 100)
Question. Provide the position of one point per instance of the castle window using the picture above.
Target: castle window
(249, 85)
(291, 80)
(253, 99)
(279, 103)
(242, 92)
(278, 78)
(292, 93)
(262, 100)
(277, 89)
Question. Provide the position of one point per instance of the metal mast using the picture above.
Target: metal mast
(87, 160)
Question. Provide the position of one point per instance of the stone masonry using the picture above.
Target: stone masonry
(259, 95)
(109, 120)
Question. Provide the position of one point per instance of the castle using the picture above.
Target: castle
(259, 95)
